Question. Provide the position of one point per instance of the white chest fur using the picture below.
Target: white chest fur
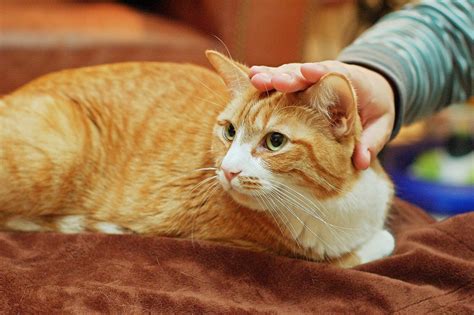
(342, 224)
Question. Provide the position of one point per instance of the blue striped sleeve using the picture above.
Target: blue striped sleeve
(425, 51)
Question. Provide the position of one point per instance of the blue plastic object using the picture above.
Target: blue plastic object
(437, 198)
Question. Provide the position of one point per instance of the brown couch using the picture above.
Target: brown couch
(37, 37)
(430, 272)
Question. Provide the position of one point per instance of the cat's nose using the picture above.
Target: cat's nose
(230, 175)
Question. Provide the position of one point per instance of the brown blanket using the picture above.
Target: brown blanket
(431, 271)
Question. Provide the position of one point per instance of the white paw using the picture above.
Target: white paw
(379, 246)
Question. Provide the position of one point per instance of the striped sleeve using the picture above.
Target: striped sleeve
(425, 51)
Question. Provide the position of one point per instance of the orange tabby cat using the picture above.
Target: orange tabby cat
(162, 148)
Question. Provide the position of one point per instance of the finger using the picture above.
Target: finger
(376, 134)
(262, 81)
(260, 69)
(336, 66)
(288, 83)
(312, 72)
(361, 157)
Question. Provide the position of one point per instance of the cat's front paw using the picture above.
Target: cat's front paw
(379, 246)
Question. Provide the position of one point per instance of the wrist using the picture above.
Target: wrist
(380, 93)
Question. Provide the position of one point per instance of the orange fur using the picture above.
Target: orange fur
(130, 144)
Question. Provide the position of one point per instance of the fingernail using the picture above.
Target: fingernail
(264, 76)
(314, 66)
(254, 70)
(286, 76)
(368, 156)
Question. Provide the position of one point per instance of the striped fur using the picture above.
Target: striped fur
(140, 148)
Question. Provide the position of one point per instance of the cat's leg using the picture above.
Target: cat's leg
(69, 224)
(380, 245)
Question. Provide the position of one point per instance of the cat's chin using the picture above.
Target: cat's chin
(248, 201)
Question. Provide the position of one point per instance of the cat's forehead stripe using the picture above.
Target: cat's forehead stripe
(244, 112)
(260, 109)
(252, 122)
(265, 110)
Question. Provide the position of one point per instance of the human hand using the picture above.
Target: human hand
(375, 98)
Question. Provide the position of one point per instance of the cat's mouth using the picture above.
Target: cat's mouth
(246, 185)
(245, 190)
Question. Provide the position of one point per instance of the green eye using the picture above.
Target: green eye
(275, 141)
(229, 132)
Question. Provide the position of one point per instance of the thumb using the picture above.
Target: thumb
(374, 137)
(361, 157)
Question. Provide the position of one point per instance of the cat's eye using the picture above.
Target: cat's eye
(275, 141)
(229, 132)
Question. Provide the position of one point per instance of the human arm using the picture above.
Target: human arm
(422, 55)
(425, 51)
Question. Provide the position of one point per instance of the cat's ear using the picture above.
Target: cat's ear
(234, 74)
(335, 97)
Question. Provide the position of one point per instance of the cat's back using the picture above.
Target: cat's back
(133, 104)
(131, 86)
(121, 130)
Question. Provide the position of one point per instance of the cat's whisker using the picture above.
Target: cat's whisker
(280, 214)
(337, 189)
(204, 181)
(208, 101)
(223, 44)
(211, 191)
(214, 186)
(309, 209)
(296, 198)
(331, 227)
(298, 202)
(314, 210)
(336, 226)
(305, 225)
(266, 89)
(295, 192)
(287, 223)
(277, 107)
(205, 169)
(208, 88)
(328, 184)
(260, 202)
(311, 203)
(237, 76)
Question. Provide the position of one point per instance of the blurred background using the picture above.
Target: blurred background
(431, 162)
(40, 36)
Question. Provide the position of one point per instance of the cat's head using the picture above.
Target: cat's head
(268, 143)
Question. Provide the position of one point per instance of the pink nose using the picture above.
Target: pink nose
(230, 175)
